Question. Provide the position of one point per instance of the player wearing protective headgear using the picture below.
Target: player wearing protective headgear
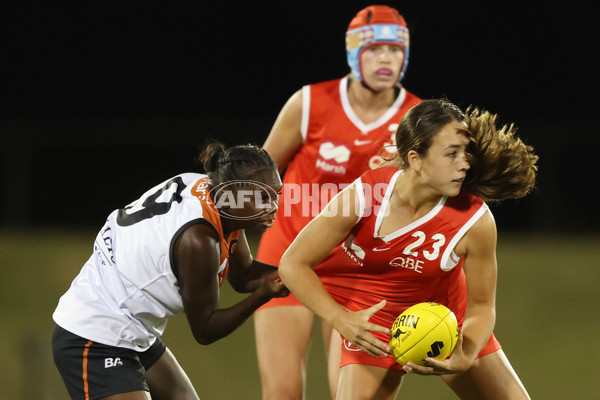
(375, 25)
(326, 135)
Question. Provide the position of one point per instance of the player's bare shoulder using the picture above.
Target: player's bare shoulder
(482, 235)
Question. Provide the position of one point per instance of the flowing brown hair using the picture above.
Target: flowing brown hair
(502, 165)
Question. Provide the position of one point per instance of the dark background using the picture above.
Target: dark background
(100, 101)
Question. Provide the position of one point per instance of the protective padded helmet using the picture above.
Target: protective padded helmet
(375, 25)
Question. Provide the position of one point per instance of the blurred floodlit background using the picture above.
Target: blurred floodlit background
(101, 101)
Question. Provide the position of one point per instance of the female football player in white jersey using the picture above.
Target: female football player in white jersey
(167, 252)
(415, 231)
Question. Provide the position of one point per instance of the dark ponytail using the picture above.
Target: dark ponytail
(210, 156)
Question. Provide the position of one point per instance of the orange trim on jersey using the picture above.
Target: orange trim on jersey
(201, 190)
(86, 388)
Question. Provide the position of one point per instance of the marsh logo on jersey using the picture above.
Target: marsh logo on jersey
(354, 251)
(333, 157)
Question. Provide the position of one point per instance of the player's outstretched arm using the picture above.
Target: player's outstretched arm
(296, 268)
(197, 256)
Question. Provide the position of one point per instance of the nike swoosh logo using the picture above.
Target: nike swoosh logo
(376, 249)
(361, 142)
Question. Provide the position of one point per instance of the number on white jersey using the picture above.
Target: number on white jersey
(149, 206)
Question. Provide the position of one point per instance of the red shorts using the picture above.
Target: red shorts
(353, 355)
(290, 300)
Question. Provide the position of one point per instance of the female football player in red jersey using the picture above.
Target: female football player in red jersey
(355, 264)
(166, 253)
(325, 136)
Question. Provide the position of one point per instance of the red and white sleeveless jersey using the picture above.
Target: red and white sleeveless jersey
(337, 148)
(412, 265)
(126, 292)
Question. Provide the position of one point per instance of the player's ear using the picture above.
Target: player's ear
(414, 160)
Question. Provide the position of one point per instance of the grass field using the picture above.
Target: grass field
(547, 299)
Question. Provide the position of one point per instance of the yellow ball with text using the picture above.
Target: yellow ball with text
(423, 330)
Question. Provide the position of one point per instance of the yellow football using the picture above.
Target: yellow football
(423, 330)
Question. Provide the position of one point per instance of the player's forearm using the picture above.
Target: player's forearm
(224, 321)
(249, 280)
(477, 328)
(302, 281)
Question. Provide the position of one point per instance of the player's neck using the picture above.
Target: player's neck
(369, 98)
(368, 104)
(404, 208)
(409, 193)
(228, 226)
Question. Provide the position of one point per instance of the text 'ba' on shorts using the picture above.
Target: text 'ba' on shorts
(92, 370)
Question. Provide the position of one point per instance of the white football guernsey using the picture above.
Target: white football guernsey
(127, 290)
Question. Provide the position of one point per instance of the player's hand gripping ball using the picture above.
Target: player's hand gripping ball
(423, 330)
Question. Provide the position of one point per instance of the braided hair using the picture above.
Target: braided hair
(239, 162)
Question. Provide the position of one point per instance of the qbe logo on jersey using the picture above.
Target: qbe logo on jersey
(333, 157)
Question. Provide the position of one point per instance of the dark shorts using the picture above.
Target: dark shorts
(92, 370)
